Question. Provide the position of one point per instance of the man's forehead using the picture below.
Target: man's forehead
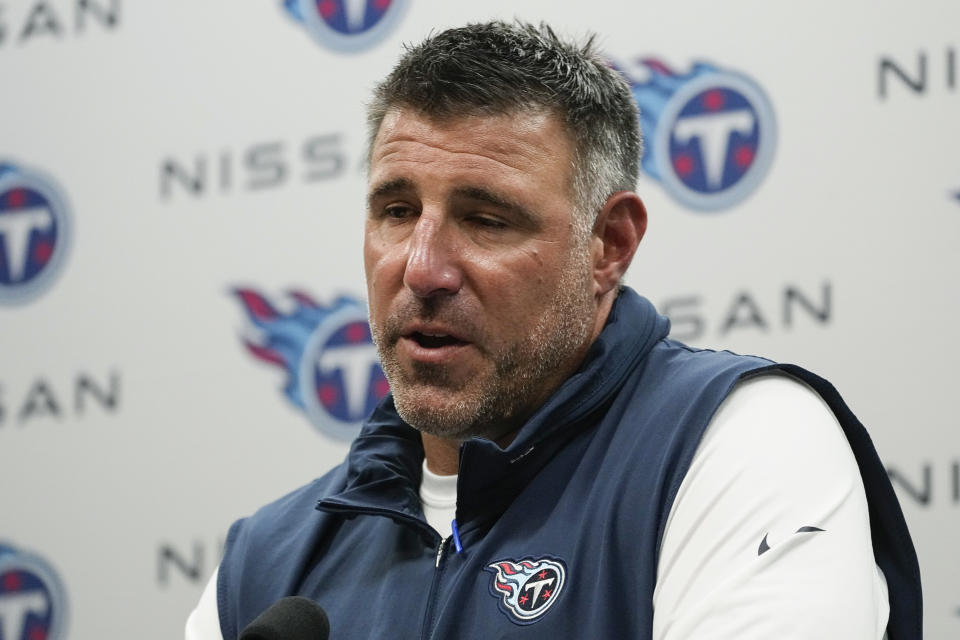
(531, 146)
(506, 131)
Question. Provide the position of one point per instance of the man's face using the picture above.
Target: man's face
(481, 292)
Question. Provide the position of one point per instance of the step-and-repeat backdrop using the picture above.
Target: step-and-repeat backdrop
(182, 325)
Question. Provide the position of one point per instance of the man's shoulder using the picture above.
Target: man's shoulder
(288, 513)
(672, 368)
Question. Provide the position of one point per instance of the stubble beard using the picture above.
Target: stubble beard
(524, 371)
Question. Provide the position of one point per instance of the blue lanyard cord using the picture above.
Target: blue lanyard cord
(456, 536)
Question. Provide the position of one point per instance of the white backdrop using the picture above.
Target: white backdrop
(187, 157)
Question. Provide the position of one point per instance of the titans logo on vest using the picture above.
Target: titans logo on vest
(709, 134)
(33, 602)
(333, 372)
(348, 26)
(34, 233)
(528, 588)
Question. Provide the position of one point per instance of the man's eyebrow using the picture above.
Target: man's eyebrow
(497, 200)
(389, 187)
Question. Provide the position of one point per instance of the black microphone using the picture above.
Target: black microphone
(291, 618)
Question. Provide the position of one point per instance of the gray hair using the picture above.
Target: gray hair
(497, 68)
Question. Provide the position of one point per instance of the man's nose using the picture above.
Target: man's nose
(433, 266)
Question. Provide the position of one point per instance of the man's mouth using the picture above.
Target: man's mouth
(434, 340)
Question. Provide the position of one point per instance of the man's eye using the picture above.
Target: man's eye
(488, 223)
(397, 212)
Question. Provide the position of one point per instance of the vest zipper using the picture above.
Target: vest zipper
(428, 621)
(439, 554)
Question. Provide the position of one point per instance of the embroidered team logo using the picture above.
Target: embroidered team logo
(709, 134)
(333, 372)
(528, 588)
(347, 25)
(33, 602)
(34, 233)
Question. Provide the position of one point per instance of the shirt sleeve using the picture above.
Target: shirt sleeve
(769, 535)
(204, 621)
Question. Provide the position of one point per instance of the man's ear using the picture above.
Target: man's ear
(617, 232)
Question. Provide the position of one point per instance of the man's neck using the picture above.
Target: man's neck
(442, 454)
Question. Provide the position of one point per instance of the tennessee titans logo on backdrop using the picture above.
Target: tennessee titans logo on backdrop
(347, 25)
(34, 233)
(709, 134)
(333, 372)
(526, 589)
(33, 602)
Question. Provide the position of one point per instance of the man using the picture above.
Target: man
(548, 462)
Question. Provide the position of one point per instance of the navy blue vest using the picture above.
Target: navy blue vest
(569, 516)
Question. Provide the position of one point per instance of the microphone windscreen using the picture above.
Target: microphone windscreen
(291, 618)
